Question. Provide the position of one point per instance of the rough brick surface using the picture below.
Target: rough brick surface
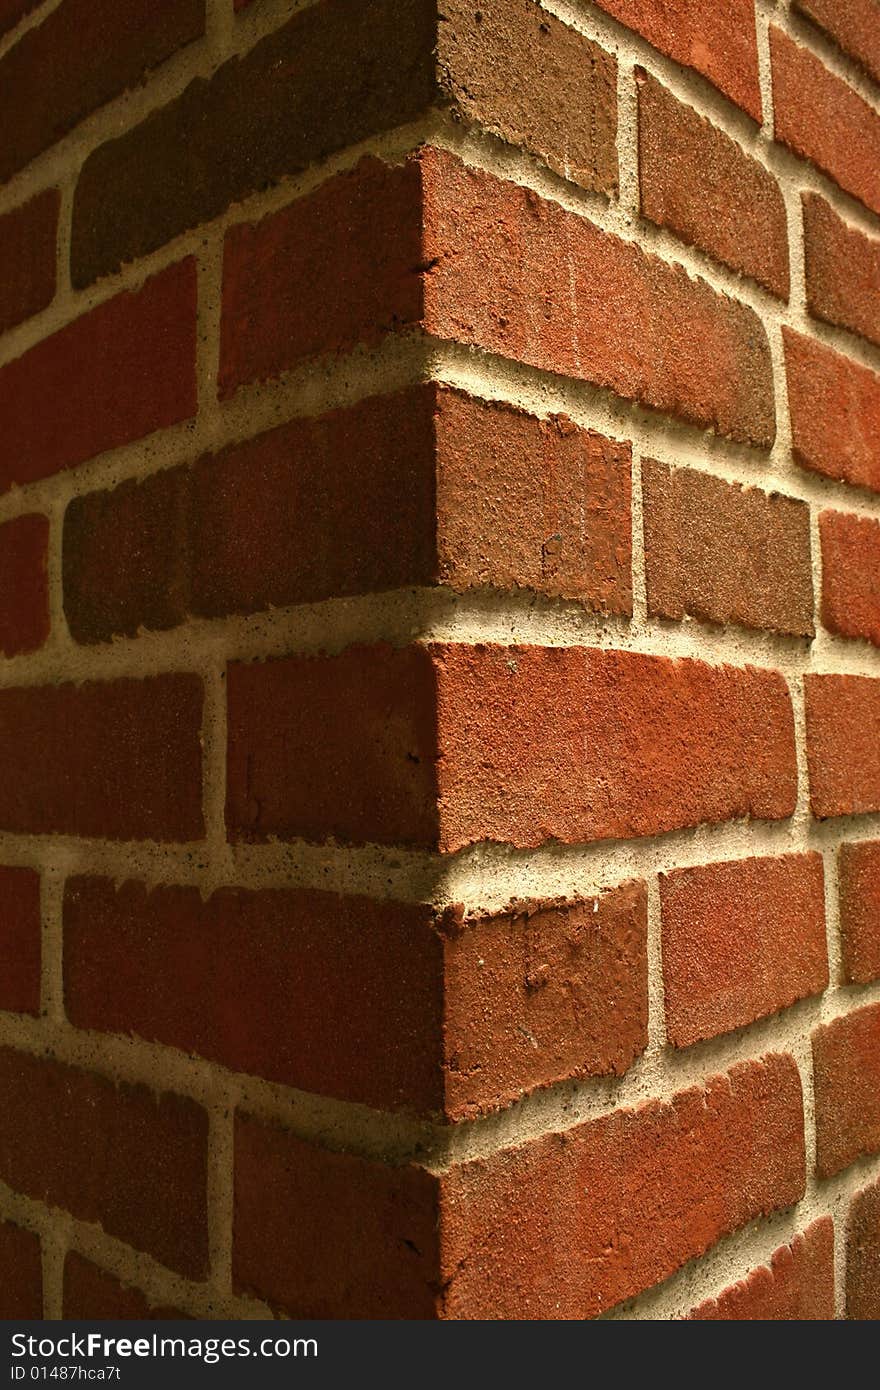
(851, 575)
(568, 1225)
(533, 744)
(84, 53)
(842, 268)
(797, 1285)
(859, 876)
(56, 405)
(835, 412)
(422, 486)
(740, 941)
(863, 1256)
(331, 1235)
(117, 759)
(116, 1154)
(496, 251)
(21, 1273)
(846, 1079)
(384, 1003)
(850, 23)
(24, 596)
(28, 255)
(843, 744)
(702, 185)
(724, 553)
(719, 41)
(337, 72)
(20, 930)
(822, 119)
(91, 1293)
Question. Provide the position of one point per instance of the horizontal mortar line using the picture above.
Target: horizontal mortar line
(27, 22)
(480, 149)
(809, 35)
(160, 1284)
(735, 1256)
(399, 1138)
(436, 615)
(122, 113)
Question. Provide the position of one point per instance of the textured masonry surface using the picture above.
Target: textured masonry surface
(439, 687)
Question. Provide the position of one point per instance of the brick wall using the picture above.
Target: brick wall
(439, 696)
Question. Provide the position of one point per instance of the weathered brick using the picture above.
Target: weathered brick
(702, 185)
(116, 759)
(28, 255)
(843, 744)
(819, 117)
(846, 1081)
(835, 412)
(859, 876)
(852, 24)
(717, 40)
(83, 54)
(568, 1225)
(863, 1256)
(20, 933)
(796, 1285)
(331, 1235)
(120, 1155)
(385, 1003)
(21, 1272)
(24, 590)
(842, 268)
(336, 73)
(425, 486)
(92, 1293)
(452, 744)
(851, 574)
(723, 553)
(482, 261)
(108, 378)
(741, 940)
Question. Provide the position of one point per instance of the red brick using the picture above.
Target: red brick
(92, 1293)
(852, 24)
(726, 554)
(336, 73)
(835, 412)
(112, 376)
(383, 1003)
(331, 1235)
(20, 934)
(702, 185)
(851, 575)
(11, 11)
(24, 596)
(842, 268)
(21, 1274)
(863, 1256)
(741, 940)
(82, 55)
(117, 759)
(524, 278)
(425, 486)
(846, 1080)
(27, 253)
(797, 1285)
(822, 119)
(717, 40)
(568, 1225)
(491, 251)
(120, 1155)
(448, 745)
(859, 875)
(843, 744)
